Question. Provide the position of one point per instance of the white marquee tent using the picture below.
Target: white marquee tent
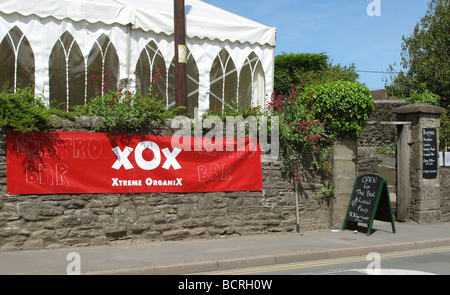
(70, 50)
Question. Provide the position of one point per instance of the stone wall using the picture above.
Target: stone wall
(376, 133)
(444, 173)
(55, 221)
(368, 161)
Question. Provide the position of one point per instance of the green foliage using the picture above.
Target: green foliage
(300, 133)
(311, 120)
(331, 73)
(327, 193)
(22, 112)
(287, 66)
(300, 125)
(127, 111)
(444, 133)
(345, 106)
(425, 56)
(424, 97)
(122, 110)
(324, 103)
(304, 69)
(386, 149)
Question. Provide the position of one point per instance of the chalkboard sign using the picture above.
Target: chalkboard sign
(430, 153)
(369, 201)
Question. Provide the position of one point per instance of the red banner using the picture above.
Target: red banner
(80, 162)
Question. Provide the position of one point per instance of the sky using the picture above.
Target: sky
(342, 29)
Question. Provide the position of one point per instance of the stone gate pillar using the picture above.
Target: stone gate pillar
(425, 197)
(344, 157)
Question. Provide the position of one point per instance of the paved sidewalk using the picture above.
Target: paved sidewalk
(195, 256)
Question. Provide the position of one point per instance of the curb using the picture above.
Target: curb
(267, 260)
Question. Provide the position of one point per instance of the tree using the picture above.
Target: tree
(288, 65)
(304, 69)
(425, 56)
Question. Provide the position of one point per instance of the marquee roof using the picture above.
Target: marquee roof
(202, 21)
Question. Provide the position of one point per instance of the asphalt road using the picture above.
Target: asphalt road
(432, 261)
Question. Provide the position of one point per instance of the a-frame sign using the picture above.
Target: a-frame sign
(370, 201)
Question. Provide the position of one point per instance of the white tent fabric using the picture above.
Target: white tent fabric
(130, 25)
(203, 20)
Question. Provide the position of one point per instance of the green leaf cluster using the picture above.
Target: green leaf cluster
(300, 133)
(122, 110)
(425, 56)
(345, 106)
(304, 69)
(127, 111)
(310, 121)
(300, 129)
(288, 66)
(21, 111)
(444, 134)
(423, 97)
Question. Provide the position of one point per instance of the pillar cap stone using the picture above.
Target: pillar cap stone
(419, 108)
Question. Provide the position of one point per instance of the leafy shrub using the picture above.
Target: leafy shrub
(331, 73)
(444, 132)
(311, 120)
(424, 97)
(300, 125)
(300, 132)
(305, 69)
(345, 106)
(287, 66)
(22, 112)
(126, 111)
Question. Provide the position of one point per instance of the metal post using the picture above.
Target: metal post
(180, 53)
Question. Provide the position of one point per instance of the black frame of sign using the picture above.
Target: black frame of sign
(430, 157)
(380, 210)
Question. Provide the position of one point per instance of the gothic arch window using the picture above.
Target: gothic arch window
(252, 82)
(67, 73)
(192, 83)
(16, 60)
(102, 68)
(223, 82)
(151, 71)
